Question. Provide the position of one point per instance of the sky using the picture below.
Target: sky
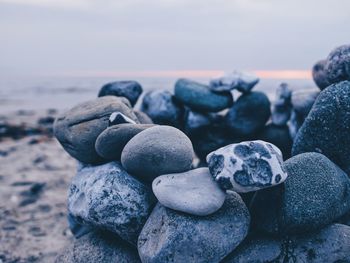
(43, 37)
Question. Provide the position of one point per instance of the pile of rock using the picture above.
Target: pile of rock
(140, 196)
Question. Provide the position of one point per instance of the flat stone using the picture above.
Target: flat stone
(200, 98)
(247, 166)
(107, 197)
(315, 194)
(129, 89)
(157, 150)
(98, 247)
(78, 128)
(194, 192)
(249, 114)
(171, 236)
(241, 81)
(111, 142)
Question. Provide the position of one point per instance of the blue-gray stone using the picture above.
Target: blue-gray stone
(338, 64)
(282, 106)
(129, 89)
(319, 74)
(107, 197)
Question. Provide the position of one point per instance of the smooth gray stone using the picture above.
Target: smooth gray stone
(111, 142)
(302, 100)
(157, 150)
(316, 193)
(241, 81)
(129, 89)
(282, 107)
(200, 98)
(194, 192)
(171, 236)
(319, 74)
(338, 64)
(143, 117)
(331, 244)
(107, 197)
(78, 128)
(98, 247)
(326, 129)
(162, 107)
(248, 114)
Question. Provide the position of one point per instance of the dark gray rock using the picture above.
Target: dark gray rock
(78, 128)
(143, 117)
(77, 229)
(319, 74)
(241, 81)
(326, 129)
(157, 150)
(315, 194)
(249, 114)
(129, 89)
(196, 121)
(279, 136)
(200, 98)
(331, 244)
(282, 106)
(162, 107)
(119, 118)
(170, 236)
(98, 247)
(111, 142)
(295, 122)
(302, 100)
(194, 192)
(107, 197)
(338, 64)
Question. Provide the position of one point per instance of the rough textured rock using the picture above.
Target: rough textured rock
(77, 229)
(302, 100)
(338, 64)
(99, 247)
(331, 244)
(319, 74)
(247, 166)
(157, 150)
(199, 97)
(143, 117)
(249, 114)
(107, 197)
(78, 128)
(282, 106)
(194, 192)
(241, 81)
(278, 136)
(315, 194)
(111, 142)
(129, 89)
(326, 129)
(162, 107)
(170, 236)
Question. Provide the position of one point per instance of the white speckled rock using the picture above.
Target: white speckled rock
(241, 81)
(194, 192)
(247, 166)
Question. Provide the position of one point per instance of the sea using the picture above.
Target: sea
(60, 93)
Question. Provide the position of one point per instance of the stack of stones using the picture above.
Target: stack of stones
(141, 195)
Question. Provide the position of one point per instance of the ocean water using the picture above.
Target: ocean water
(34, 93)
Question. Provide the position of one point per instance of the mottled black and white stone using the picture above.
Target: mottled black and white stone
(247, 166)
(330, 244)
(157, 150)
(107, 197)
(302, 100)
(282, 107)
(119, 118)
(171, 236)
(241, 81)
(338, 64)
(129, 89)
(162, 107)
(98, 247)
(200, 98)
(194, 192)
(316, 193)
(319, 74)
(78, 128)
(249, 114)
(111, 142)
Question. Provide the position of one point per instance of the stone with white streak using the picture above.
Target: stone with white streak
(241, 81)
(247, 166)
